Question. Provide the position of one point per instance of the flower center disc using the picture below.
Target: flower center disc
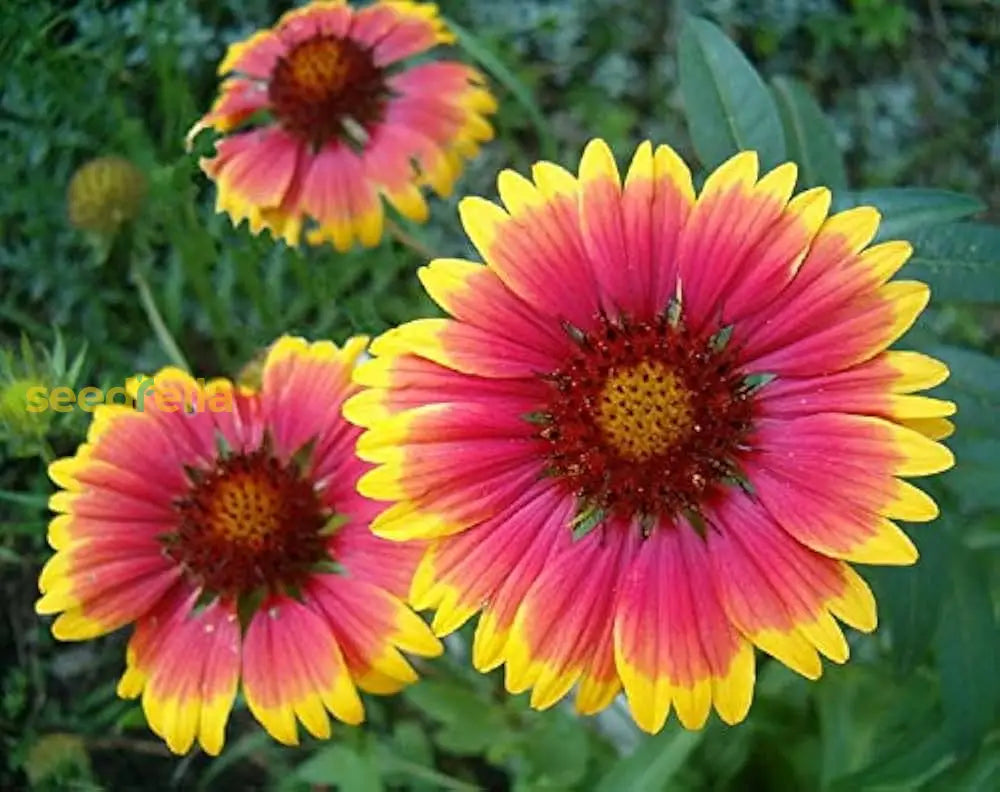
(646, 420)
(252, 521)
(323, 85)
(643, 410)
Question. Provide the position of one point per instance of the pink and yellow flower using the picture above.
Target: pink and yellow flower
(224, 523)
(655, 432)
(323, 119)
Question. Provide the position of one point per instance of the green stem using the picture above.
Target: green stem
(407, 239)
(248, 268)
(163, 335)
(441, 780)
(48, 454)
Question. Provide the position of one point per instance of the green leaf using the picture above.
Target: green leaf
(971, 371)
(910, 598)
(469, 725)
(973, 479)
(727, 104)
(444, 702)
(848, 705)
(974, 384)
(343, 766)
(556, 748)
(809, 135)
(909, 210)
(408, 762)
(249, 744)
(966, 643)
(959, 261)
(902, 772)
(653, 763)
(980, 773)
(31, 500)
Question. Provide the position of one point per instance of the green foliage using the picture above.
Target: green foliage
(967, 643)
(860, 95)
(812, 140)
(960, 261)
(654, 764)
(906, 212)
(729, 108)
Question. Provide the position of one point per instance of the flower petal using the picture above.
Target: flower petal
(303, 386)
(399, 29)
(187, 666)
(253, 170)
(734, 214)
(344, 203)
(294, 669)
(461, 574)
(674, 643)
(371, 626)
(563, 626)
(780, 594)
(656, 202)
(536, 248)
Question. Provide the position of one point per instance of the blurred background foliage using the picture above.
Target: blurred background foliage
(909, 97)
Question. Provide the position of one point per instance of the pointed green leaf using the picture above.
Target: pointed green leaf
(727, 104)
(469, 725)
(966, 643)
(909, 598)
(910, 210)
(959, 261)
(866, 718)
(809, 134)
(974, 384)
(342, 766)
(904, 771)
(651, 766)
(555, 747)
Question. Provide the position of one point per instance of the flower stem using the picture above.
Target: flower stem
(163, 335)
(407, 239)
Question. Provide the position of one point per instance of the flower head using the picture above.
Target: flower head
(104, 193)
(655, 431)
(326, 120)
(224, 523)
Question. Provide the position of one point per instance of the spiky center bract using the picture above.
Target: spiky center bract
(253, 521)
(647, 420)
(327, 87)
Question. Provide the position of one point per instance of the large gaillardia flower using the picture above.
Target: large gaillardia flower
(655, 431)
(323, 120)
(224, 522)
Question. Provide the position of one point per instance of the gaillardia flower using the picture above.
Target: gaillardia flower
(655, 431)
(325, 119)
(225, 523)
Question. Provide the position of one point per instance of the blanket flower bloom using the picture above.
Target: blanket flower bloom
(655, 431)
(225, 524)
(322, 118)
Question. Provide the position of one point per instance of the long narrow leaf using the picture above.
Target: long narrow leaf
(809, 135)
(727, 104)
(908, 210)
